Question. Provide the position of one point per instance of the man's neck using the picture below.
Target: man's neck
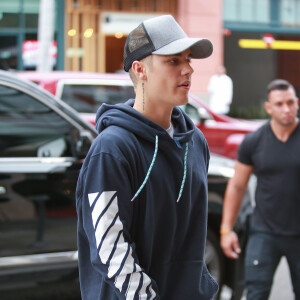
(283, 132)
(154, 113)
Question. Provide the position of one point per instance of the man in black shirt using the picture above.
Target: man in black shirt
(272, 154)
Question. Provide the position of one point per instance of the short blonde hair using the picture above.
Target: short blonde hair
(148, 62)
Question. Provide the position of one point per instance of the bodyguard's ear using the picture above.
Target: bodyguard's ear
(138, 67)
(267, 106)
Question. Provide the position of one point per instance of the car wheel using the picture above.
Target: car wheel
(214, 257)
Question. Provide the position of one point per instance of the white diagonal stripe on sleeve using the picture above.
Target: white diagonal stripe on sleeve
(127, 268)
(119, 281)
(118, 257)
(101, 204)
(110, 238)
(143, 291)
(133, 285)
(153, 294)
(92, 198)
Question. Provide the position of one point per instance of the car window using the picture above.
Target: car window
(191, 111)
(29, 128)
(87, 98)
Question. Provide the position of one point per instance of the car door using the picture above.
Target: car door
(39, 166)
(214, 132)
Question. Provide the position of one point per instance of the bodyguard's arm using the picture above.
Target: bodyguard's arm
(234, 195)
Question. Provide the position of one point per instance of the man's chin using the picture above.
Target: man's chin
(287, 123)
(184, 100)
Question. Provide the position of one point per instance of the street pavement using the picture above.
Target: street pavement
(282, 286)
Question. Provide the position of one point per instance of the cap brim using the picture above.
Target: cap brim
(200, 48)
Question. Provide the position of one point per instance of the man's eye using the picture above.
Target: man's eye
(174, 61)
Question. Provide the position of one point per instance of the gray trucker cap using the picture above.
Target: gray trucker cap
(162, 36)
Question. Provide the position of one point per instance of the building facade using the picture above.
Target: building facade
(261, 43)
(97, 30)
(90, 34)
(19, 33)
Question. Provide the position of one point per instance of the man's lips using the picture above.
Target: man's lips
(185, 84)
(287, 117)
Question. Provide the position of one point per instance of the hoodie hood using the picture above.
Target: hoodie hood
(125, 116)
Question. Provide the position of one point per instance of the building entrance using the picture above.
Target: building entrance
(114, 53)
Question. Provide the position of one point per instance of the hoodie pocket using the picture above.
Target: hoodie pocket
(181, 280)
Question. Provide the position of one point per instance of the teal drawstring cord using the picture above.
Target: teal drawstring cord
(184, 172)
(152, 164)
(149, 170)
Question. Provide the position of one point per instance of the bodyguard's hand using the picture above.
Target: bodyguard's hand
(230, 245)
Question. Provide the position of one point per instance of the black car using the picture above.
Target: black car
(43, 143)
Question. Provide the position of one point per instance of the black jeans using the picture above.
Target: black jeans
(263, 255)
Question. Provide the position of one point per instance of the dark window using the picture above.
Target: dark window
(87, 98)
(8, 52)
(28, 128)
(9, 20)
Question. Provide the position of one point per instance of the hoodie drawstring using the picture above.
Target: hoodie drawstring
(149, 170)
(152, 164)
(184, 172)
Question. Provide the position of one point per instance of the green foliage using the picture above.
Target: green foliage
(249, 112)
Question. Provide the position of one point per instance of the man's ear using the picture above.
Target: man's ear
(139, 69)
(267, 106)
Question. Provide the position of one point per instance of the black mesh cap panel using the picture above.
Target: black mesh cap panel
(138, 46)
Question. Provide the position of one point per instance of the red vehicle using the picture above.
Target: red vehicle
(85, 92)
(223, 134)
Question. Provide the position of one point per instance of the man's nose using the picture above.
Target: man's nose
(286, 107)
(188, 70)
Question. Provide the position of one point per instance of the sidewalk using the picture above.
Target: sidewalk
(282, 287)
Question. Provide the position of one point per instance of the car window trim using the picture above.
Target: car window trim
(37, 260)
(85, 81)
(60, 112)
(35, 164)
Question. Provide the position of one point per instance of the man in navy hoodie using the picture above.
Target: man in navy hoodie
(142, 191)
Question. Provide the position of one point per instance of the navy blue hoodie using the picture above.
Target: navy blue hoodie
(142, 209)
